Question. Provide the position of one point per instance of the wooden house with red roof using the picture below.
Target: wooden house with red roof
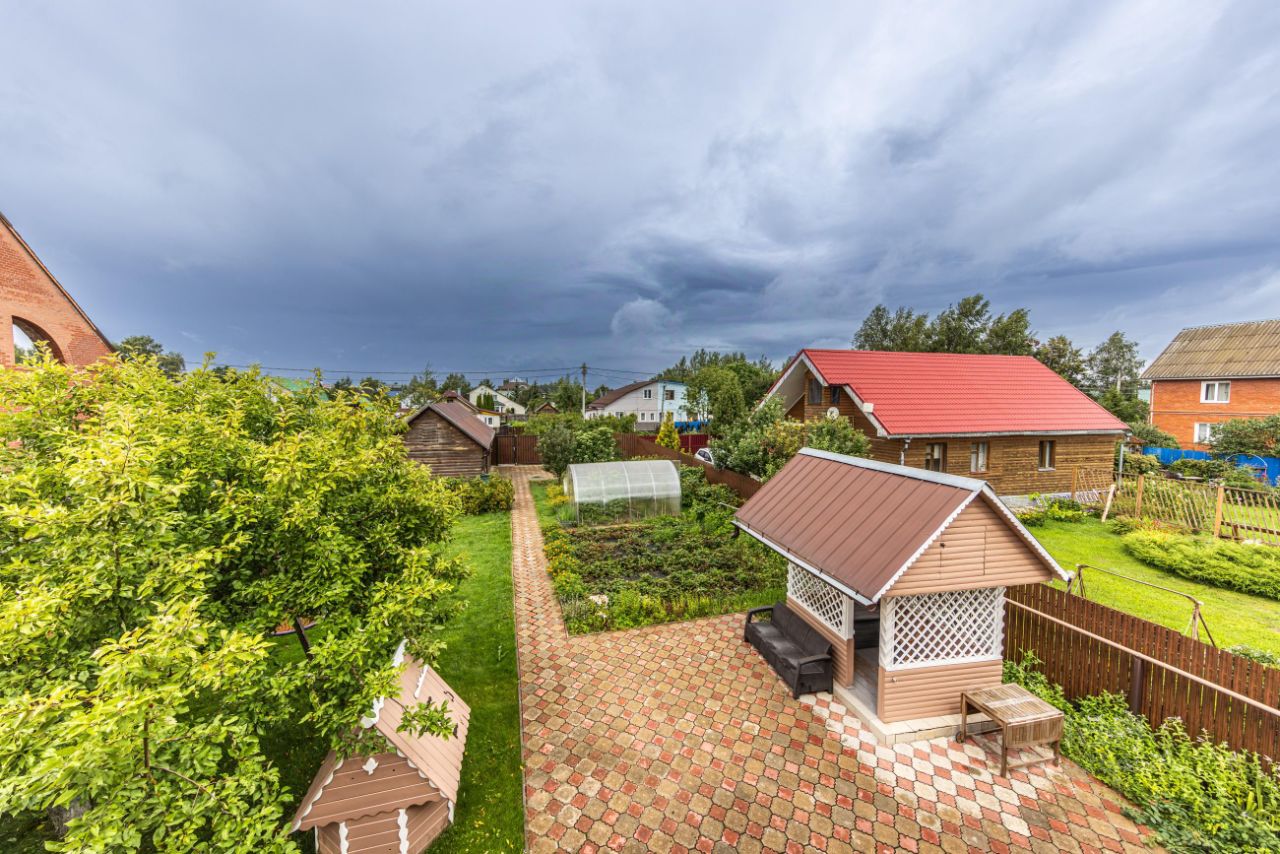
(402, 798)
(1008, 420)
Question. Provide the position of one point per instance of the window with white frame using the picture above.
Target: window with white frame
(1215, 392)
(1204, 432)
(648, 394)
(978, 452)
(951, 627)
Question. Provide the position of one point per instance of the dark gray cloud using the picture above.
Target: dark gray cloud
(514, 185)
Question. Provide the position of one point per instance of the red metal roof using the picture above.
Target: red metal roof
(935, 394)
(862, 523)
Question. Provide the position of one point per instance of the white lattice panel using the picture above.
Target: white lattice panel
(823, 601)
(951, 627)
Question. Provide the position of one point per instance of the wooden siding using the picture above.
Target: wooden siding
(926, 692)
(433, 441)
(381, 832)
(842, 651)
(1012, 461)
(354, 792)
(978, 549)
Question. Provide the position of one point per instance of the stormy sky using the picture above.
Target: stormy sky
(519, 187)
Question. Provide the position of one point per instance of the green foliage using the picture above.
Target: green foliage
(697, 492)
(1206, 469)
(1124, 405)
(715, 392)
(594, 443)
(485, 401)
(965, 327)
(764, 441)
(1064, 358)
(661, 569)
(667, 435)
(1196, 795)
(1256, 436)
(1221, 563)
(1262, 656)
(1141, 464)
(1115, 364)
(155, 533)
(1151, 436)
(146, 347)
(1056, 509)
(753, 377)
(556, 447)
(477, 495)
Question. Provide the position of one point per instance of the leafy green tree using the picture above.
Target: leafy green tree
(754, 377)
(155, 535)
(566, 395)
(764, 441)
(668, 437)
(144, 346)
(902, 330)
(594, 443)
(1258, 436)
(555, 446)
(1152, 436)
(455, 382)
(962, 327)
(485, 401)
(1127, 407)
(715, 392)
(372, 387)
(1064, 358)
(421, 388)
(837, 435)
(1010, 335)
(1115, 364)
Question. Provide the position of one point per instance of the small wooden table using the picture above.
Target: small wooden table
(1024, 719)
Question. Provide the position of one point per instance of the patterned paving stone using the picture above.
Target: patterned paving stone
(680, 738)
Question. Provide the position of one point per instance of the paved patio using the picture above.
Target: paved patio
(680, 738)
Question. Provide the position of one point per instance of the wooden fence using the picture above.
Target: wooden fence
(1088, 648)
(1223, 511)
(516, 449)
(631, 445)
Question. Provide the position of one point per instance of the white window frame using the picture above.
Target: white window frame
(1208, 428)
(1051, 446)
(648, 394)
(1221, 391)
(979, 457)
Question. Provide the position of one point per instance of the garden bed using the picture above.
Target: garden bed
(658, 570)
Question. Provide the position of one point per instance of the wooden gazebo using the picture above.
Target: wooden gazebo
(904, 570)
(398, 800)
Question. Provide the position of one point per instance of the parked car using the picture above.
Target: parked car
(705, 455)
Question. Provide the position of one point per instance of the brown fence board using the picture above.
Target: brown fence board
(1083, 665)
(632, 445)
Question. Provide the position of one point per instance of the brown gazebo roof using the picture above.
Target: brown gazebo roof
(861, 524)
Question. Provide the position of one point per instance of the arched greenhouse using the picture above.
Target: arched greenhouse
(600, 493)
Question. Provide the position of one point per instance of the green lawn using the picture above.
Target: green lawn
(480, 664)
(1233, 618)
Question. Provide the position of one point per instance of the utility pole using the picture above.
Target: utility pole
(584, 389)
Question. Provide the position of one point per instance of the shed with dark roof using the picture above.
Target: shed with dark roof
(401, 798)
(903, 570)
(449, 437)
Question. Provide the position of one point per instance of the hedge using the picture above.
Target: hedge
(1221, 563)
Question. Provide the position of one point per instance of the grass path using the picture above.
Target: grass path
(1233, 618)
(480, 664)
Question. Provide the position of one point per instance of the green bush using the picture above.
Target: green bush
(1032, 518)
(1262, 656)
(1221, 563)
(479, 495)
(1196, 795)
(1141, 464)
(1206, 469)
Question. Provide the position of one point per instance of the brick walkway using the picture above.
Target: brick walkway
(680, 738)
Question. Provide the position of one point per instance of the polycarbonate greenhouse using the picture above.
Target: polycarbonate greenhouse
(611, 492)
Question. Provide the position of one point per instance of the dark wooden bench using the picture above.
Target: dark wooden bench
(795, 650)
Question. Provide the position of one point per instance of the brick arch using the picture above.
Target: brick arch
(37, 334)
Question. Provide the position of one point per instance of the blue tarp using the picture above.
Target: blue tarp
(1271, 465)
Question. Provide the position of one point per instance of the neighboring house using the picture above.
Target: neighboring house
(1211, 374)
(401, 797)
(513, 385)
(502, 404)
(1008, 420)
(545, 408)
(648, 400)
(448, 437)
(35, 303)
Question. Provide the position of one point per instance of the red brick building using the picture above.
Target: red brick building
(1008, 420)
(1211, 374)
(33, 301)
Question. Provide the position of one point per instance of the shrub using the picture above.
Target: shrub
(1030, 517)
(667, 435)
(479, 495)
(1262, 656)
(1141, 463)
(1221, 563)
(695, 491)
(1206, 469)
(1196, 795)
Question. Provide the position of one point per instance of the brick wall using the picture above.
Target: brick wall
(32, 301)
(1176, 406)
(1012, 461)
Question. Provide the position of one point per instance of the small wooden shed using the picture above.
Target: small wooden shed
(904, 570)
(398, 800)
(449, 437)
